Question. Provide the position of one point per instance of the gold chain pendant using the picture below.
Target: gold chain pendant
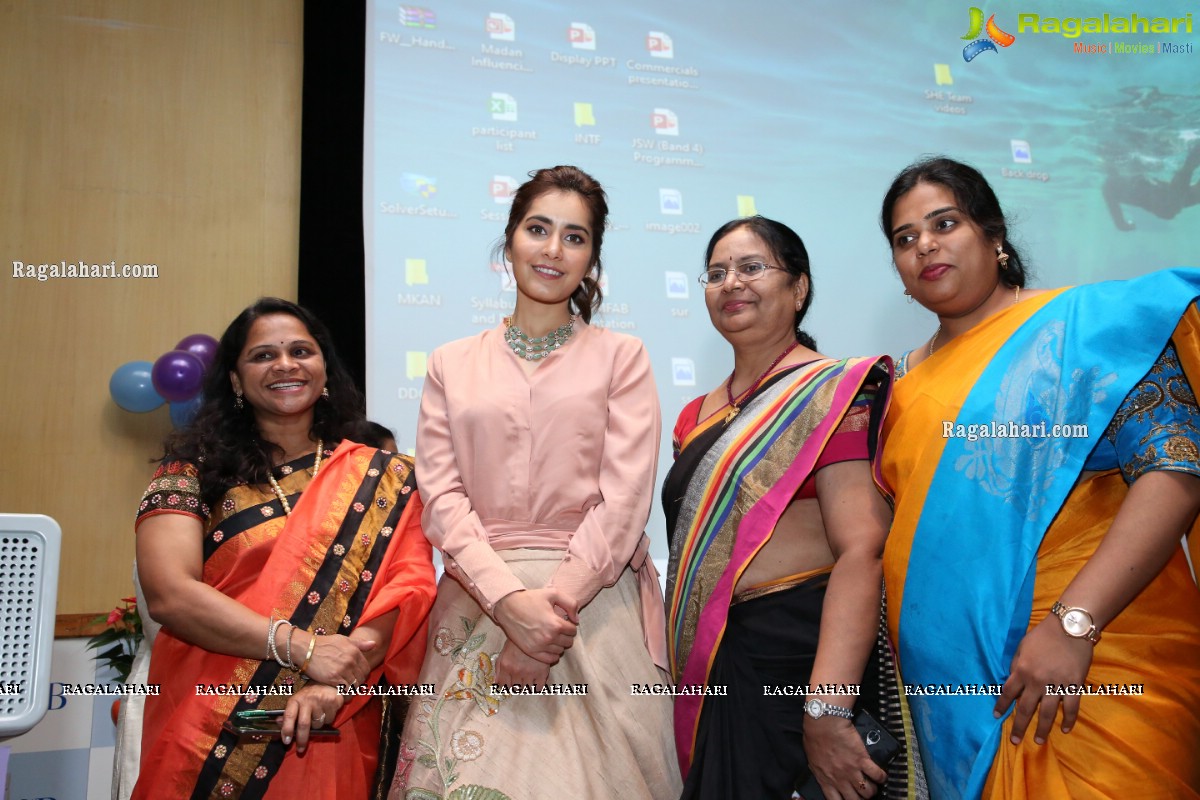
(733, 412)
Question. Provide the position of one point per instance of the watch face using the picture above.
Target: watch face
(813, 708)
(1076, 622)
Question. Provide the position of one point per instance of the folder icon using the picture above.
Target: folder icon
(745, 205)
(415, 271)
(414, 364)
(584, 115)
(941, 74)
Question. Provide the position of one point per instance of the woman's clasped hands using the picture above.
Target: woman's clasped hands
(540, 625)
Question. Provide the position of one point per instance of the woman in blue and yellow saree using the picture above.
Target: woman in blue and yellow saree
(1043, 450)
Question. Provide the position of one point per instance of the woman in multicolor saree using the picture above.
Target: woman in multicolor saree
(1043, 452)
(777, 531)
(285, 562)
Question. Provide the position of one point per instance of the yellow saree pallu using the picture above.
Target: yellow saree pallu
(352, 550)
(991, 524)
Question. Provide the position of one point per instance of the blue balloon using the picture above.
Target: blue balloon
(132, 387)
(183, 412)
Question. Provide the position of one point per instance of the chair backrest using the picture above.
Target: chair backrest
(29, 552)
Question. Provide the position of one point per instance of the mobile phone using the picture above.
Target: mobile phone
(269, 729)
(260, 713)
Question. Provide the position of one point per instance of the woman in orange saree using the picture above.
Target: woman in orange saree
(285, 582)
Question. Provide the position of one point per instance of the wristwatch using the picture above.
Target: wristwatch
(1076, 622)
(817, 708)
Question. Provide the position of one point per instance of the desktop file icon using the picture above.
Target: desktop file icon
(660, 45)
(670, 201)
(502, 188)
(503, 107)
(500, 27)
(581, 36)
(664, 122)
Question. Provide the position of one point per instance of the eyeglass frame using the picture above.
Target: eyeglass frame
(704, 280)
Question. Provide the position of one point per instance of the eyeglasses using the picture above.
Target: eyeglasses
(750, 271)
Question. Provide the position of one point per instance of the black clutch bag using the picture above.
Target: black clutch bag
(881, 746)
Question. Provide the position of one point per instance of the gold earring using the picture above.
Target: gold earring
(1001, 258)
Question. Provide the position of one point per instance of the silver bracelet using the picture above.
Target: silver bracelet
(272, 650)
(291, 631)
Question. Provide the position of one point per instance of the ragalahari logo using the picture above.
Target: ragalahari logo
(994, 37)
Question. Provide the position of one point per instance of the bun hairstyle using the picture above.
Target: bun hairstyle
(788, 248)
(974, 197)
(585, 300)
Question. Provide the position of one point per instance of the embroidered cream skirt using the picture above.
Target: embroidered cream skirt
(468, 743)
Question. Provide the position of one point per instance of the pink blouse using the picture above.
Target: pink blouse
(563, 458)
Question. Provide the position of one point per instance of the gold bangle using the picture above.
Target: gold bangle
(312, 645)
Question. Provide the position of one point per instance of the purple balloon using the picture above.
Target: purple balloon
(177, 375)
(201, 345)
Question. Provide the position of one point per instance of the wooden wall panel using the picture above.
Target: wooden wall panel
(161, 132)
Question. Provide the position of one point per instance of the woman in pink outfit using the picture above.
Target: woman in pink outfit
(536, 452)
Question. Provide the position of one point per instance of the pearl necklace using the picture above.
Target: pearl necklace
(287, 509)
(735, 405)
(533, 349)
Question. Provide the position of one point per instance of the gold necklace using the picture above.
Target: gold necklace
(1016, 299)
(287, 509)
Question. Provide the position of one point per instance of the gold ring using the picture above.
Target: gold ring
(862, 785)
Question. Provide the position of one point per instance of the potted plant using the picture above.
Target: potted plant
(118, 642)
